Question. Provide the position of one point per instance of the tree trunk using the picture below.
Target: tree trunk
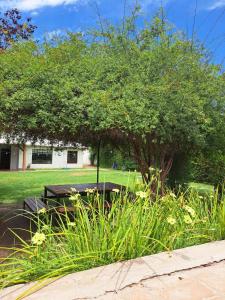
(149, 158)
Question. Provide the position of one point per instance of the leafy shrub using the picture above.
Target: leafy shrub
(109, 155)
(208, 168)
(94, 235)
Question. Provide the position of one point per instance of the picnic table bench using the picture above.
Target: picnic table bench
(34, 204)
(65, 191)
(56, 192)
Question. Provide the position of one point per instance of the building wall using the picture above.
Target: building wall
(86, 157)
(59, 160)
(14, 157)
(20, 159)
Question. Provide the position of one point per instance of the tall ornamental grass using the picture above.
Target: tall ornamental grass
(96, 234)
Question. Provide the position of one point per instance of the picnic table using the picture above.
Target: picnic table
(64, 191)
(56, 192)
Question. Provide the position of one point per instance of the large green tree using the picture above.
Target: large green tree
(149, 90)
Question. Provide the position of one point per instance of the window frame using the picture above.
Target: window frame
(41, 152)
(69, 161)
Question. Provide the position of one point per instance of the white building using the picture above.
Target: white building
(39, 156)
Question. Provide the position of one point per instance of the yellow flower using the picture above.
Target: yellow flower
(141, 194)
(172, 195)
(74, 197)
(90, 191)
(42, 211)
(45, 227)
(171, 220)
(116, 191)
(38, 238)
(71, 224)
(165, 198)
(190, 210)
(73, 190)
(187, 219)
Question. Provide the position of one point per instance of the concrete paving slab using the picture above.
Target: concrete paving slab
(192, 273)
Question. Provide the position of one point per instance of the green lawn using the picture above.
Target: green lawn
(15, 186)
(202, 187)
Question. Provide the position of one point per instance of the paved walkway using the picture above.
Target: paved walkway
(11, 218)
(194, 273)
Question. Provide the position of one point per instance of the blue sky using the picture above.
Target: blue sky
(56, 16)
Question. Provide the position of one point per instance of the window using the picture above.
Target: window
(71, 157)
(41, 156)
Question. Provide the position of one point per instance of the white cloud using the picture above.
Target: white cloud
(216, 4)
(29, 5)
(33, 5)
(54, 33)
(34, 13)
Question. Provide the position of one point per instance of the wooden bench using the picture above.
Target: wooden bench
(34, 204)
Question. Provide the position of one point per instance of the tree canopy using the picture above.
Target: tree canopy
(149, 90)
(14, 28)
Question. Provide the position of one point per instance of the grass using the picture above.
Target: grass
(201, 187)
(94, 236)
(16, 186)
